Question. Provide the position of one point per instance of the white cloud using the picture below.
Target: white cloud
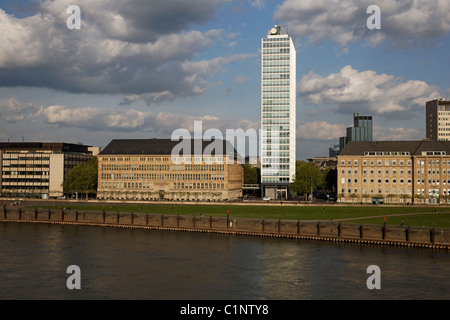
(134, 47)
(405, 23)
(366, 91)
(397, 134)
(325, 131)
(320, 130)
(12, 110)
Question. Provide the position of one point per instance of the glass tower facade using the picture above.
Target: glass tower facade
(278, 113)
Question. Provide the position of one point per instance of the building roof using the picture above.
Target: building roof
(412, 147)
(165, 147)
(54, 146)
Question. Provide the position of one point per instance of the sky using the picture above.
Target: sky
(144, 68)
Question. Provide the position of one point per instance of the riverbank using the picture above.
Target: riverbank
(412, 237)
(396, 215)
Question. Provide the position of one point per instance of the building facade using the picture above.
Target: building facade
(361, 131)
(394, 172)
(438, 120)
(147, 170)
(278, 113)
(37, 169)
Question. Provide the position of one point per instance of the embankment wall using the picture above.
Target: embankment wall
(329, 231)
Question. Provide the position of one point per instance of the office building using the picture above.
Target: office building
(147, 169)
(278, 113)
(438, 120)
(361, 130)
(37, 169)
(394, 172)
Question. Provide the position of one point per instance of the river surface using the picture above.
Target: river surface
(118, 263)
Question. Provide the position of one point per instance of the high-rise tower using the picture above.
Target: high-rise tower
(278, 113)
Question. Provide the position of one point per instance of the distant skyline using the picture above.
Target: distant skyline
(141, 69)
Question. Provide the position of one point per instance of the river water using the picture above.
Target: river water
(118, 263)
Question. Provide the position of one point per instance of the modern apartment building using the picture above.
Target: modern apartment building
(438, 120)
(361, 131)
(35, 169)
(278, 113)
(394, 172)
(148, 169)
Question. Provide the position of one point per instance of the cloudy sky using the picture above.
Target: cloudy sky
(143, 68)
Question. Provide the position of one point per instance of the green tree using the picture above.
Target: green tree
(331, 179)
(83, 178)
(307, 176)
(251, 174)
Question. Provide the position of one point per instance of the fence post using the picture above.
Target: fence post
(49, 214)
(62, 214)
(103, 214)
(361, 231)
(318, 229)
(298, 227)
(20, 214)
(384, 230)
(339, 230)
(263, 224)
(407, 234)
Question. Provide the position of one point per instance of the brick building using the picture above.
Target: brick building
(145, 169)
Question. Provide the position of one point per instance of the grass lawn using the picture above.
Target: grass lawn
(441, 219)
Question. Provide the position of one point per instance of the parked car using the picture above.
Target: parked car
(267, 198)
(62, 197)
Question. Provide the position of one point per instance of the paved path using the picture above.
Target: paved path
(381, 216)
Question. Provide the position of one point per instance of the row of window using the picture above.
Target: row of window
(276, 154)
(276, 102)
(276, 70)
(419, 191)
(147, 185)
(271, 76)
(372, 181)
(393, 162)
(394, 181)
(276, 121)
(162, 176)
(16, 188)
(276, 89)
(350, 191)
(162, 167)
(276, 50)
(276, 63)
(372, 171)
(25, 173)
(378, 162)
(25, 180)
